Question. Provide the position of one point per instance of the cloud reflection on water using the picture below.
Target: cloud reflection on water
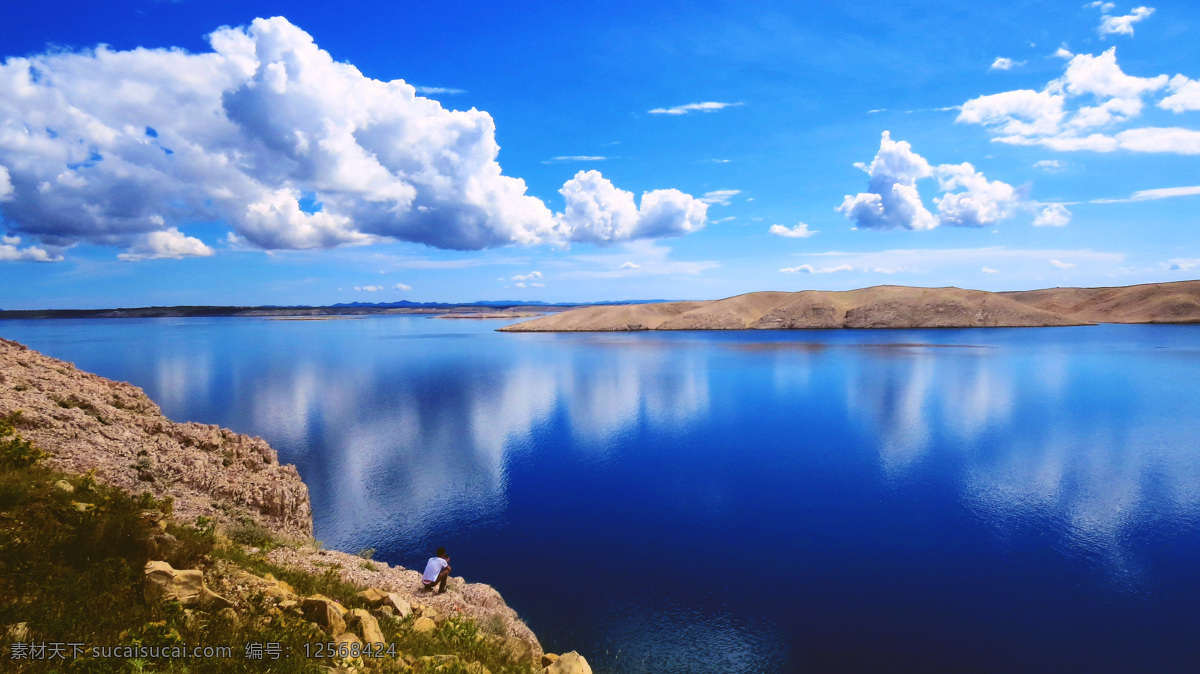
(412, 448)
(1036, 448)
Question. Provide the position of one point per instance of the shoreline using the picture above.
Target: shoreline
(93, 426)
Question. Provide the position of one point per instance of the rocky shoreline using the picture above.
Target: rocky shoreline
(113, 432)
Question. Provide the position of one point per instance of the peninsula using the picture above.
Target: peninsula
(890, 307)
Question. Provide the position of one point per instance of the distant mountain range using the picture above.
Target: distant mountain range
(342, 309)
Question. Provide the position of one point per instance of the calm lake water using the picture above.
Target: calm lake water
(973, 500)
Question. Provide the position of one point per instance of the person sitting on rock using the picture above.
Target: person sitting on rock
(437, 571)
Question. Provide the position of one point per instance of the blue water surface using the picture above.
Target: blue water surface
(999, 500)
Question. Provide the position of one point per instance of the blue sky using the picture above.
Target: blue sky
(670, 150)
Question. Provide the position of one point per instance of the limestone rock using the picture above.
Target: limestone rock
(398, 605)
(64, 486)
(326, 613)
(365, 625)
(569, 663)
(373, 597)
(347, 641)
(423, 625)
(214, 602)
(549, 659)
(162, 582)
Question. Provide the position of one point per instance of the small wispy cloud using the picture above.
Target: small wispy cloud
(809, 269)
(439, 90)
(631, 265)
(1005, 63)
(989, 270)
(401, 286)
(707, 106)
(1059, 264)
(573, 158)
(1154, 195)
(1050, 165)
(714, 161)
(531, 276)
(721, 197)
(1120, 25)
(800, 231)
(367, 289)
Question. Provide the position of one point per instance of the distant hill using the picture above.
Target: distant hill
(891, 307)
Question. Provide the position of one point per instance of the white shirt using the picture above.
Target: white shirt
(433, 568)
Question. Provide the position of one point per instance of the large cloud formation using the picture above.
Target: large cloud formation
(1081, 110)
(892, 200)
(292, 149)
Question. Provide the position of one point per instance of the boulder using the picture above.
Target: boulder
(64, 486)
(398, 605)
(423, 625)
(365, 625)
(162, 582)
(372, 596)
(569, 663)
(326, 613)
(348, 640)
(549, 659)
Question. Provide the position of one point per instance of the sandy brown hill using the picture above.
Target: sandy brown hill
(1177, 302)
(876, 307)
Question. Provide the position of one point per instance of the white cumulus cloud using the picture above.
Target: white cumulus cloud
(10, 252)
(800, 231)
(1052, 215)
(1185, 95)
(6, 186)
(531, 276)
(1077, 112)
(893, 199)
(168, 244)
(401, 286)
(600, 213)
(269, 134)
